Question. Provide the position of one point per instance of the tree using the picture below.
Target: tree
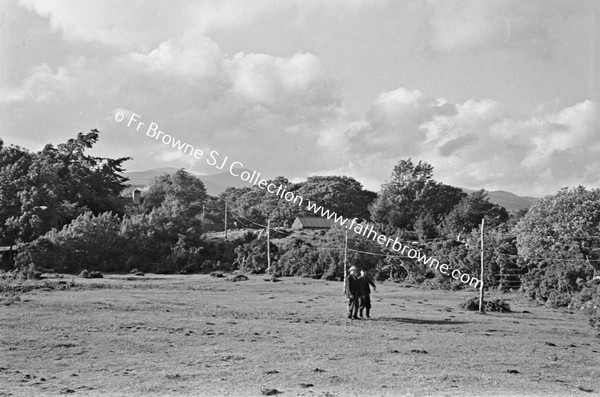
(566, 224)
(412, 192)
(45, 190)
(559, 238)
(174, 205)
(253, 205)
(340, 194)
(185, 189)
(469, 212)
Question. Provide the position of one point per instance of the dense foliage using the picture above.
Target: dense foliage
(559, 242)
(60, 206)
(48, 189)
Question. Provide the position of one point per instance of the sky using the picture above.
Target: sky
(501, 95)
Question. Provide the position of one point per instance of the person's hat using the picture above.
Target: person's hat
(353, 268)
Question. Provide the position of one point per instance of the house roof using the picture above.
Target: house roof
(315, 221)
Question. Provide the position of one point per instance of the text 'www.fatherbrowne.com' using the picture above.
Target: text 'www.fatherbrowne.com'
(236, 168)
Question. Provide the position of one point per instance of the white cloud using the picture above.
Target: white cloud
(41, 85)
(265, 78)
(200, 60)
(476, 143)
(456, 25)
(283, 114)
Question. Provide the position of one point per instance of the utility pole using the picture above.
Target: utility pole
(225, 219)
(481, 273)
(269, 245)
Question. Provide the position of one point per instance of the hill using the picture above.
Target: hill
(508, 200)
(215, 184)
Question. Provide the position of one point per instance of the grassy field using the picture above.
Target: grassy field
(203, 336)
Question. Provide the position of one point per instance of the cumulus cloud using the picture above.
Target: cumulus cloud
(200, 60)
(42, 84)
(478, 144)
(282, 113)
(458, 25)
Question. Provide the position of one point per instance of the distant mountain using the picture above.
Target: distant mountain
(508, 200)
(141, 178)
(217, 183)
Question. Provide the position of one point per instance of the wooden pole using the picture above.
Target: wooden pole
(269, 245)
(481, 272)
(225, 219)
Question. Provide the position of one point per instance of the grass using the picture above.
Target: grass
(204, 336)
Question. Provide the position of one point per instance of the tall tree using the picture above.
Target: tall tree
(176, 203)
(559, 239)
(467, 214)
(181, 187)
(570, 218)
(341, 194)
(45, 190)
(411, 193)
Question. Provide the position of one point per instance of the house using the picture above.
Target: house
(312, 223)
(6, 255)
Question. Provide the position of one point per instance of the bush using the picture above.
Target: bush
(497, 305)
(555, 283)
(237, 277)
(588, 301)
(90, 239)
(93, 274)
(252, 256)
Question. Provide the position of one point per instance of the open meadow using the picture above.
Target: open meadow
(203, 336)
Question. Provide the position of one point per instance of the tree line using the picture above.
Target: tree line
(61, 208)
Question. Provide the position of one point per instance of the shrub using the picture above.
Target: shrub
(90, 239)
(496, 305)
(237, 277)
(252, 256)
(588, 301)
(95, 274)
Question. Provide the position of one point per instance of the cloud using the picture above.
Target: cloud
(283, 114)
(199, 61)
(264, 78)
(143, 25)
(458, 25)
(394, 122)
(42, 84)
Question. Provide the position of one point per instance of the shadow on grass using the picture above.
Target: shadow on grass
(419, 321)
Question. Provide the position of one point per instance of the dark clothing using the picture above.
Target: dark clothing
(352, 287)
(352, 292)
(353, 304)
(364, 291)
(364, 283)
(364, 302)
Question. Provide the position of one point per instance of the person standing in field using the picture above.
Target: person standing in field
(352, 292)
(364, 292)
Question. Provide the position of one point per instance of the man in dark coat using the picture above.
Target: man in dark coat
(352, 293)
(364, 292)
